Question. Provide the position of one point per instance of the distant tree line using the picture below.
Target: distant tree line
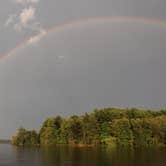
(109, 126)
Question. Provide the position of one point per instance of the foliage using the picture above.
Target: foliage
(121, 129)
(25, 138)
(50, 131)
(109, 126)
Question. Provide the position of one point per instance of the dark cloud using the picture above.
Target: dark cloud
(118, 64)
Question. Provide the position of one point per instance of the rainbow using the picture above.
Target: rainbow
(69, 25)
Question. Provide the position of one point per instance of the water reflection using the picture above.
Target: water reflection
(73, 156)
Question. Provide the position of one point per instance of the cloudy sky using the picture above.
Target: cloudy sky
(69, 57)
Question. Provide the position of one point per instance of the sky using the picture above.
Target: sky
(63, 57)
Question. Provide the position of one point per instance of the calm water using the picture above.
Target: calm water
(70, 156)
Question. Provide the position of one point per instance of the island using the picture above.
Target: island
(109, 126)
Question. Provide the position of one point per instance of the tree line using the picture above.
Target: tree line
(108, 126)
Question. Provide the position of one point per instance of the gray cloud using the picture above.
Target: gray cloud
(36, 38)
(26, 19)
(26, 1)
(10, 19)
(118, 64)
(53, 12)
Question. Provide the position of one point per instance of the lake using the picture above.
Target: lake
(73, 156)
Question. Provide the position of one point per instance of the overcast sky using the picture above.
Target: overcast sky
(98, 64)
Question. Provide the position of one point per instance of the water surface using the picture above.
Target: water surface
(72, 156)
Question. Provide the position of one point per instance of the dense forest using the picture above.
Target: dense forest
(109, 126)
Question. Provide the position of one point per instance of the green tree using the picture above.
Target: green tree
(76, 129)
(90, 129)
(121, 129)
(142, 131)
(25, 138)
(50, 131)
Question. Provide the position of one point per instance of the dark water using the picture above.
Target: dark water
(70, 156)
